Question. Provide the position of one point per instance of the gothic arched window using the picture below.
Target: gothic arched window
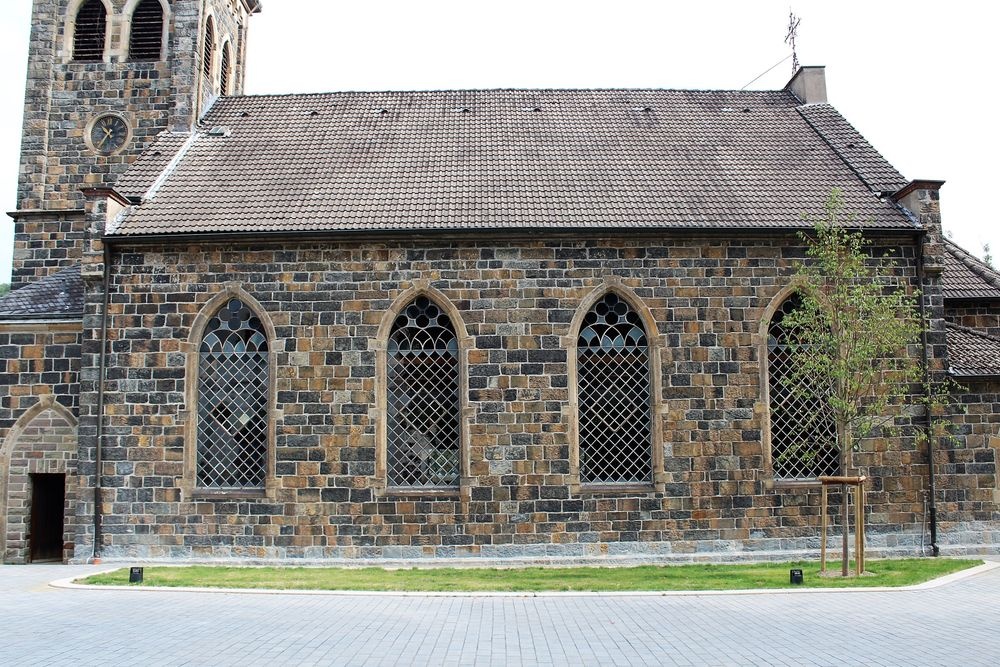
(88, 36)
(613, 375)
(422, 406)
(224, 68)
(146, 35)
(208, 51)
(803, 432)
(233, 387)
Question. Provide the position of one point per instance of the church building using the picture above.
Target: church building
(481, 324)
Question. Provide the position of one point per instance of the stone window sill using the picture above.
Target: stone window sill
(792, 484)
(451, 492)
(620, 489)
(228, 494)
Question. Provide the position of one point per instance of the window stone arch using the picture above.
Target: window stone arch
(146, 29)
(43, 440)
(422, 411)
(615, 388)
(208, 52)
(87, 35)
(230, 391)
(799, 435)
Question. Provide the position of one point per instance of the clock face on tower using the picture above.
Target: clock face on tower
(108, 133)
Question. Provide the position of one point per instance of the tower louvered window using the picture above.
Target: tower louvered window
(224, 71)
(88, 36)
(146, 37)
(232, 400)
(208, 52)
(803, 432)
(614, 395)
(422, 415)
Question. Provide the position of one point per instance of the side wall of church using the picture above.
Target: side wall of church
(39, 367)
(517, 299)
(968, 476)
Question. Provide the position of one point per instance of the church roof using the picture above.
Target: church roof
(968, 277)
(507, 159)
(972, 353)
(56, 296)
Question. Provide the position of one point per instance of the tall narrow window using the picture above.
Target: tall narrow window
(232, 400)
(208, 51)
(224, 71)
(803, 433)
(146, 37)
(422, 406)
(614, 395)
(88, 38)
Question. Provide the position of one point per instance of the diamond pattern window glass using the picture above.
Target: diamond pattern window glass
(422, 416)
(803, 433)
(88, 38)
(232, 400)
(146, 38)
(614, 395)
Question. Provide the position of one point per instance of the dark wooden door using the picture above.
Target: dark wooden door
(48, 498)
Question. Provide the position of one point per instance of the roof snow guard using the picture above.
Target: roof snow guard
(587, 159)
(57, 297)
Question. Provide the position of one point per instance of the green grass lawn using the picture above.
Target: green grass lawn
(699, 577)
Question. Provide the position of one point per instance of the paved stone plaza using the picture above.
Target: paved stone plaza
(954, 624)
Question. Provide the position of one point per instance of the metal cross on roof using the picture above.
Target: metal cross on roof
(793, 33)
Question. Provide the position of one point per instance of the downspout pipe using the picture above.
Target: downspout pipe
(928, 418)
(101, 378)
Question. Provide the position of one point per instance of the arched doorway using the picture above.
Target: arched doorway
(38, 485)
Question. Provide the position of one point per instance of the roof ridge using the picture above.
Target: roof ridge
(855, 169)
(501, 89)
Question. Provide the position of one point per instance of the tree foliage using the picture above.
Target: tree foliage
(851, 335)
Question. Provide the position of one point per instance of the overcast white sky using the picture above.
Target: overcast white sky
(916, 77)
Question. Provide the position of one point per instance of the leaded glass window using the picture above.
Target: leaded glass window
(613, 371)
(803, 432)
(422, 416)
(233, 400)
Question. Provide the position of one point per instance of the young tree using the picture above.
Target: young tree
(849, 337)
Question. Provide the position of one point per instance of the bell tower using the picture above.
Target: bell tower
(105, 77)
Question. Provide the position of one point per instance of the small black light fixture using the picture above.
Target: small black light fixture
(135, 575)
(795, 576)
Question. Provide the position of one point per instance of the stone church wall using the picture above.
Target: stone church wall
(39, 392)
(327, 301)
(969, 507)
(63, 96)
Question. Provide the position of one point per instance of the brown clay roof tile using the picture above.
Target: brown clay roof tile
(509, 159)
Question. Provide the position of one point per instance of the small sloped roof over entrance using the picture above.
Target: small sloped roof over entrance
(481, 160)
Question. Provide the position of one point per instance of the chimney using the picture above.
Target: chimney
(809, 85)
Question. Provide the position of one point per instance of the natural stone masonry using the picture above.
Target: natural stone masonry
(63, 96)
(516, 299)
(43, 441)
(38, 402)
